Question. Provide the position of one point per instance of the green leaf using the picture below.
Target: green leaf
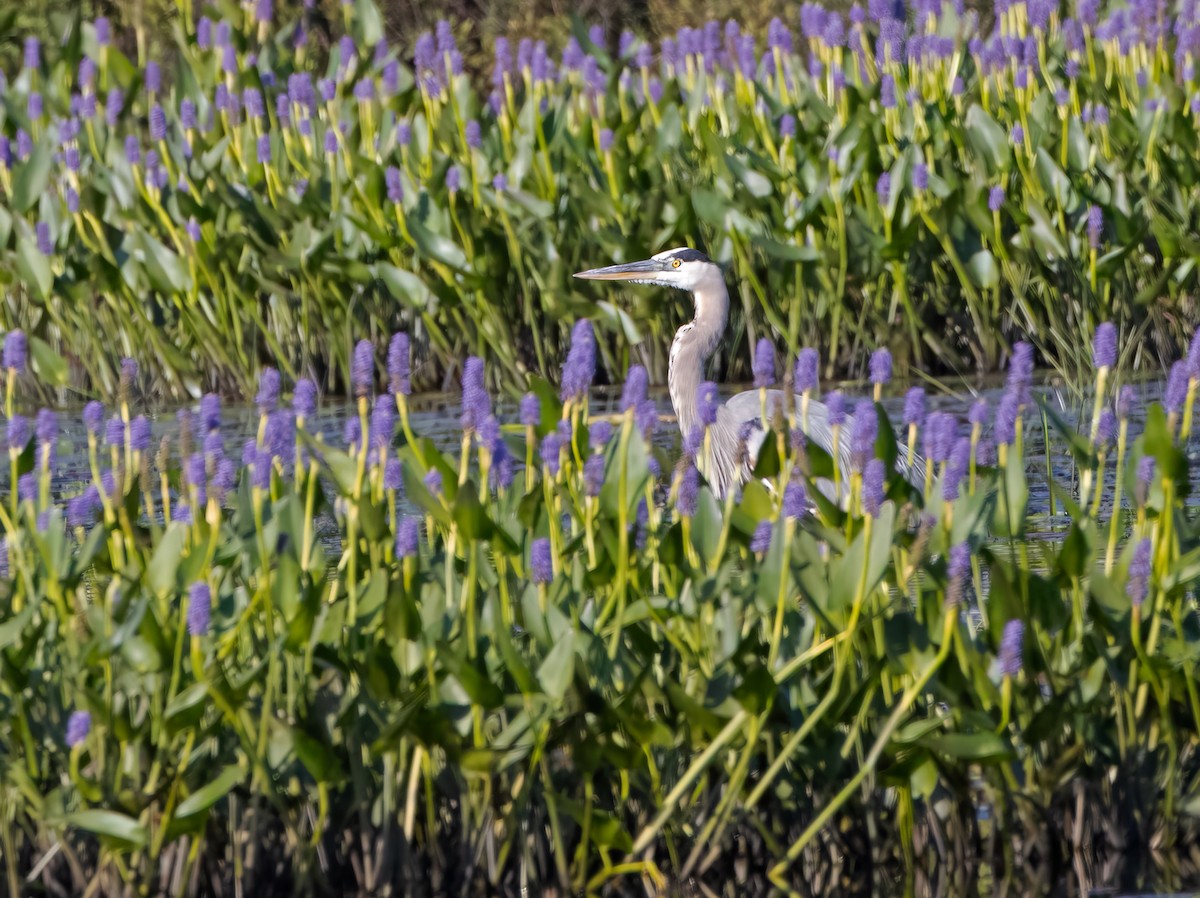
(111, 825)
(988, 140)
(34, 268)
(29, 179)
(212, 792)
(367, 22)
(970, 746)
(50, 367)
(555, 672)
(983, 270)
(165, 562)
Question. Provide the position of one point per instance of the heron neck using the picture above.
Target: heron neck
(693, 344)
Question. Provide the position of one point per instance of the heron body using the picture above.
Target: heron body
(734, 439)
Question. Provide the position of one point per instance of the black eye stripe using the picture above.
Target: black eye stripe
(690, 255)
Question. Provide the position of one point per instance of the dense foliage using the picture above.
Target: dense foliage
(879, 180)
(567, 663)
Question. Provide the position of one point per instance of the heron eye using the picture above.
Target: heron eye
(675, 263)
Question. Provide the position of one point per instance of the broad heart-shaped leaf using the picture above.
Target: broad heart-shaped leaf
(470, 516)
(983, 746)
(846, 573)
(555, 672)
(29, 179)
(404, 285)
(165, 561)
(50, 367)
(1008, 514)
(110, 825)
(34, 268)
(983, 270)
(165, 270)
(439, 247)
(368, 24)
(212, 792)
(988, 140)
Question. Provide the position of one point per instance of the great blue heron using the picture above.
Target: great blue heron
(728, 465)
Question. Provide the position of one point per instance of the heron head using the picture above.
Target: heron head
(681, 268)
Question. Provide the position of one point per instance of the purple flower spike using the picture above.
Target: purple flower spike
(634, 391)
(805, 375)
(872, 487)
(914, 407)
(17, 433)
(399, 375)
(580, 366)
(978, 413)
(500, 183)
(267, 399)
(114, 431)
(880, 366)
(795, 500)
(79, 725)
(835, 406)
(1095, 226)
(362, 368)
(593, 475)
(47, 427)
(1125, 402)
(1106, 430)
(1138, 584)
(707, 402)
(920, 177)
(93, 417)
(1177, 388)
(689, 491)
(599, 434)
(16, 350)
(1011, 648)
(864, 429)
(1104, 346)
(408, 536)
(433, 481)
(139, 434)
(995, 198)
(476, 404)
(45, 243)
(395, 189)
(531, 410)
(1145, 471)
(764, 363)
(541, 563)
(960, 562)
(956, 469)
(304, 398)
(199, 609)
(761, 541)
(33, 53)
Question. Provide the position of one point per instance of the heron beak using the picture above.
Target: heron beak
(627, 272)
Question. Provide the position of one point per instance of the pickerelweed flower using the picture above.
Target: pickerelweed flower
(872, 486)
(33, 53)
(16, 350)
(383, 423)
(959, 566)
(530, 410)
(500, 183)
(476, 404)
(395, 189)
(995, 198)
(47, 427)
(541, 563)
(634, 391)
(1020, 370)
(17, 433)
(914, 407)
(304, 398)
(267, 398)
(114, 431)
(1095, 226)
(795, 500)
(978, 413)
(707, 403)
(580, 366)
(1177, 388)
(93, 417)
(1125, 402)
(45, 242)
(760, 542)
(362, 368)
(1104, 346)
(957, 467)
(408, 537)
(79, 725)
(880, 366)
(883, 188)
(689, 490)
(199, 610)
(393, 475)
(1011, 648)
(764, 363)
(1106, 428)
(1137, 586)
(1145, 476)
(835, 407)
(399, 375)
(805, 374)
(863, 431)
(593, 475)
(646, 418)
(920, 177)
(599, 433)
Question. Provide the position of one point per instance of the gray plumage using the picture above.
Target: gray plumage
(729, 461)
